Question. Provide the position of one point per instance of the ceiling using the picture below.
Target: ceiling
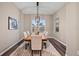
(46, 8)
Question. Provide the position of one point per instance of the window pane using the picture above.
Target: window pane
(33, 23)
(42, 25)
(42, 29)
(42, 22)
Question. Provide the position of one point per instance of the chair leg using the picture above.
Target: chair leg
(42, 45)
(29, 45)
(40, 53)
(32, 53)
(45, 45)
(25, 46)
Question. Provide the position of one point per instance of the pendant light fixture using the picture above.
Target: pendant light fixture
(37, 18)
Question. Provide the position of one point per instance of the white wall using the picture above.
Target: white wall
(27, 22)
(21, 25)
(71, 28)
(78, 29)
(8, 37)
(68, 27)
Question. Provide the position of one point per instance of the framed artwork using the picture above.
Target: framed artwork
(57, 24)
(57, 29)
(12, 23)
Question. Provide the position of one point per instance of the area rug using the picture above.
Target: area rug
(21, 51)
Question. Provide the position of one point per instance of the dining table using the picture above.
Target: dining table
(29, 38)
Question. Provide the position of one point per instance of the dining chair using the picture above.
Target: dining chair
(44, 36)
(25, 34)
(33, 33)
(28, 33)
(26, 42)
(36, 44)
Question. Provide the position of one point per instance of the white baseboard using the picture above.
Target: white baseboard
(9, 48)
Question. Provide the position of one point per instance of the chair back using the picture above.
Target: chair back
(41, 34)
(36, 42)
(46, 33)
(28, 33)
(25, 34)
(33, 33)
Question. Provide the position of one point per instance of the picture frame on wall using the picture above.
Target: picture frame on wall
(12, 23)
(57, 24)
(57, 29)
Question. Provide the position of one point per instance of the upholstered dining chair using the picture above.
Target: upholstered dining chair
(36, 44)
(46, 33)
(26, 43)
(25, 34)
(28, 33)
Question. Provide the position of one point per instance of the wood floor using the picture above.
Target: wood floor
(58, 46)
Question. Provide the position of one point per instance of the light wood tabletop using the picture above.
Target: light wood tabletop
(29, 38)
